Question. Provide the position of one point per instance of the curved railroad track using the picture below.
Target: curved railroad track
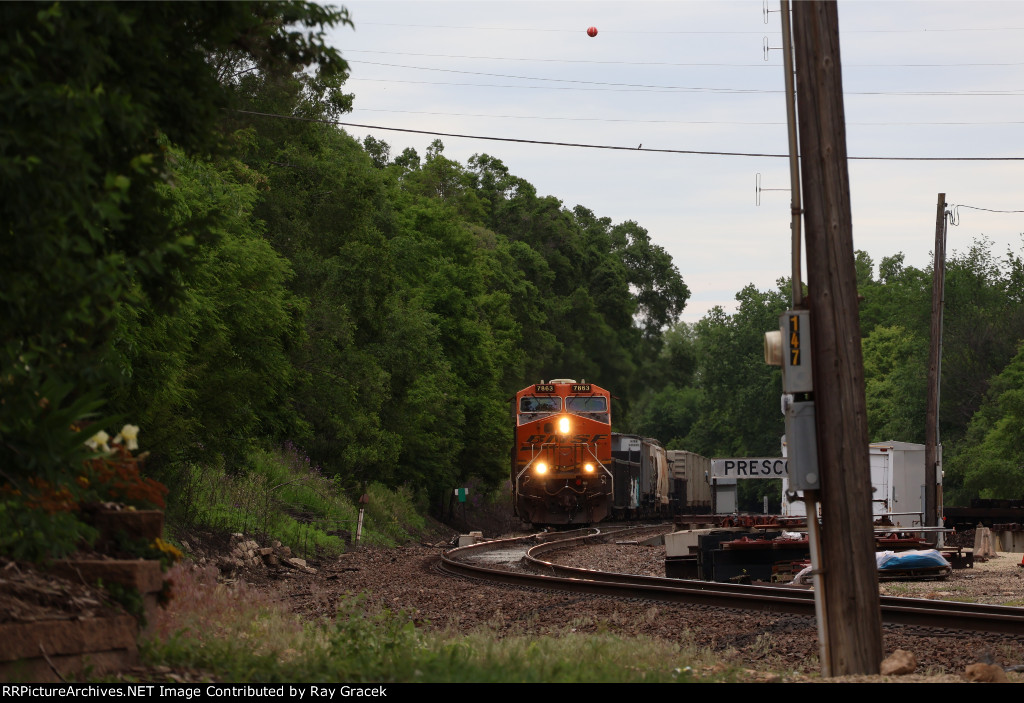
(519, 561)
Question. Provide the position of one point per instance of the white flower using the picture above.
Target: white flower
(98, 442)
(130, 434)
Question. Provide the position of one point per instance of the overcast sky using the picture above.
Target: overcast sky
(921, 79)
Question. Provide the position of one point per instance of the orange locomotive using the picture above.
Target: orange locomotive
(561, 461)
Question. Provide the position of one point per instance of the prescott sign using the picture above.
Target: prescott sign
(749, 468)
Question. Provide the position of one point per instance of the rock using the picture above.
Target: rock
(899, 663)
(985, 673)
(983, 543)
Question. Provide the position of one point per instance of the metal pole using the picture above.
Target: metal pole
(794, 150)
(810, 497)
(820, 614)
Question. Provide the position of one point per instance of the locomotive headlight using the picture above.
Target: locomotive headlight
(589, 468)
(542, 468)
(563, 425)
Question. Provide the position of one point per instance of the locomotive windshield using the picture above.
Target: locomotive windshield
(545, 404)
(586, 404)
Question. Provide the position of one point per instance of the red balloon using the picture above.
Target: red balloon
(592, 32)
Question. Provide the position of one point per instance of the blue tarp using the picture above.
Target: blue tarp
(910, 559)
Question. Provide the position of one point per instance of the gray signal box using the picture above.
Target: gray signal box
(790, 348)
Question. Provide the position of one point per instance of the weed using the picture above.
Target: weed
(237, 634)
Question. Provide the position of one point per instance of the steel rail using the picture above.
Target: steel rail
(917, 612)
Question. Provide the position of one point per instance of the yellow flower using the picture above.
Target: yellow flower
(169, 549)
(130, 434)
(98, 442)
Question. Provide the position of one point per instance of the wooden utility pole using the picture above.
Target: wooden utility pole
(931, 430)
(849, 574)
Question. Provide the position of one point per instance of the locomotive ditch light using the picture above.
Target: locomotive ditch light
(589, 468)
(542, 468)
(563, 425)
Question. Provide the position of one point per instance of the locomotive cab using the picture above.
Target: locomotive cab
(562, 453)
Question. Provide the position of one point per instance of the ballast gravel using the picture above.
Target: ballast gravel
(772, 647)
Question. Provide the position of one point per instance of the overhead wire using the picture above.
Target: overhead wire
(689, 32)
(986, 209)
(696, 122)
(640, 88)
(615, 147)
(954, 212)
(702, 64)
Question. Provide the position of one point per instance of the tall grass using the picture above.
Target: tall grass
(281, 495)
(235, 634)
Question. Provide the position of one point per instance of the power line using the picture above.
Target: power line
(617, 148)
(680, 89)
(718, 91)
(954, 212)
(564, 80)
(759, 64)
(985, 209)
(694, 122)
(566, 119)
(577, 30)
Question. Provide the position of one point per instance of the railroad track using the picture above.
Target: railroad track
(520, 561)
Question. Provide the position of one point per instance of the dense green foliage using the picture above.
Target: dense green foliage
(990, 463)
(983, 326)
(90, 233)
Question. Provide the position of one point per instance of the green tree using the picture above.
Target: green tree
(739, 413)
(982, 324)
(214, 374)
(989, 463)
(895, 380)
(89, 100)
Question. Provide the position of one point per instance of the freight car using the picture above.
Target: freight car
(650, 481)
(690, 489)
(561, 456)
(985, 511)
(640, 478)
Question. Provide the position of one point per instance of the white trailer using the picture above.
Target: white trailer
(897, 484)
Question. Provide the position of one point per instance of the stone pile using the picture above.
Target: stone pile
(247, 553)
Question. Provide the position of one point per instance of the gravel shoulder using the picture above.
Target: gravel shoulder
(766, 647)
(770, 647)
